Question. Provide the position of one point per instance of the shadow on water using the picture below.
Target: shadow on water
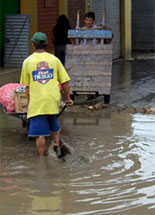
(111, 169)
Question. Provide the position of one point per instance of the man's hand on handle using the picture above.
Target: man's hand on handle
(69, 102)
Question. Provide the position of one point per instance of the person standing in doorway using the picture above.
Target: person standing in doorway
(89, 20)
(42, 73)
(60, 32)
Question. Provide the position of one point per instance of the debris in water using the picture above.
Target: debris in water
(150, 111)
(97, 106)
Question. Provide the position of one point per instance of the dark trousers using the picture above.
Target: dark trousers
(60, 53)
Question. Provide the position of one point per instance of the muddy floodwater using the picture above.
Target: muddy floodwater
(111, 169)
(112, 166)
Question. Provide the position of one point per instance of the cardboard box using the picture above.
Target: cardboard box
(21, 103)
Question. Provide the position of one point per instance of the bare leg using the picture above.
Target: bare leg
(41, 145)
(56, 138)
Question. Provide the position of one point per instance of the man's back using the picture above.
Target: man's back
(43, 72)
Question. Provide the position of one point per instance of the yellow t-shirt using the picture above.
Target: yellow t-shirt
(43, 72)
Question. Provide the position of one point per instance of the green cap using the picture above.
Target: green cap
(38, 37)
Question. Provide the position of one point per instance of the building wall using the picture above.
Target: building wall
(6, 7)
(73, 7)
(47, 17)
(112, 8)
(63, 7)
(143, 24)
(30, 7)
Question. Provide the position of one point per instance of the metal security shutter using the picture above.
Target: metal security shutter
(113, 19)
(143, 24)
(16, 39)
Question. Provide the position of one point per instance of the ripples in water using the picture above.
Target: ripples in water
(106, 174)
(126, 179)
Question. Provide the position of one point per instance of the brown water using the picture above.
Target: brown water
(111, 169)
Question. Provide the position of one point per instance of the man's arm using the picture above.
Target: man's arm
(65, 88)
(27, 94)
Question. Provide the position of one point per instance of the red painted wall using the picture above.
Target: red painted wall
(47, 17)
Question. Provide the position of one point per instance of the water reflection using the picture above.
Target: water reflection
(111, 170)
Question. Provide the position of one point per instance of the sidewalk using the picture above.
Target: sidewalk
(133, 83)
(143, 55)
(8, 75)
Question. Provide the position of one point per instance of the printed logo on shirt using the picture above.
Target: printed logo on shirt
(43, 73)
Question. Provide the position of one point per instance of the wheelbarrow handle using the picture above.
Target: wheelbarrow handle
(62, 110)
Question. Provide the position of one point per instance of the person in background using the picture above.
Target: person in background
(42, 73)
(60, 32)
(89, 20)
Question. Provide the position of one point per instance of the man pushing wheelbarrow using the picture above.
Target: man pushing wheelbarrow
(42, 73)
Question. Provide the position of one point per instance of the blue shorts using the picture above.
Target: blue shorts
(43, 125)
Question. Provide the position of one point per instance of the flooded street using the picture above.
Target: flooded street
(111, 169)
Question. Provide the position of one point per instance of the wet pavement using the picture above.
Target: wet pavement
(133, 83)
(9, 75)
(111, 169)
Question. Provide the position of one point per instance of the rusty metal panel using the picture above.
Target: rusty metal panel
(90, 67)
(16, 39)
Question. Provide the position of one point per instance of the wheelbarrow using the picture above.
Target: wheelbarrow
(23, 115)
